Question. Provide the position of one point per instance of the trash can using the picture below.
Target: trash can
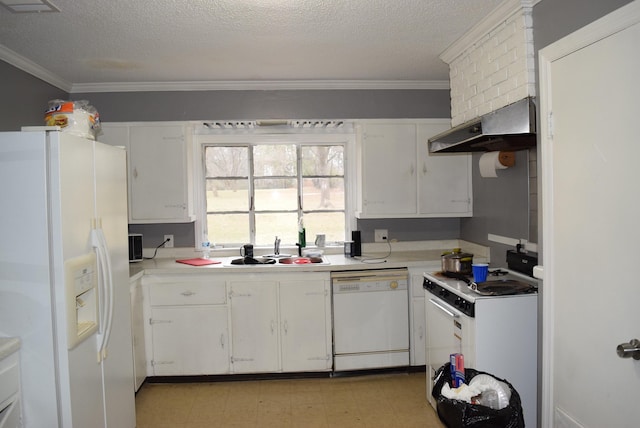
(457, 413)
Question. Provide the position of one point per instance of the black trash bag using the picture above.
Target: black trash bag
(457, 413)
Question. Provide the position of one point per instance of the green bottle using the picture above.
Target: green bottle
(302, 234)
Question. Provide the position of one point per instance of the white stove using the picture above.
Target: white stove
(496, 331)
(458, 293)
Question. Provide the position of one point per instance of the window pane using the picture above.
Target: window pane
(282, 225)
(274, 180)
(274, 159)
(223, 161)
(323, 160)
(323, 194)
(276, 195)
(331, 224)
(227, 195)
(228, 228)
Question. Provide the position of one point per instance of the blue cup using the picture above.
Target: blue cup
(480, 271)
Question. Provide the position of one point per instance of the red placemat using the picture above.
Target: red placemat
(198, 262)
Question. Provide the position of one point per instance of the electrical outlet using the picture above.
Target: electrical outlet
(169, 243)
(380, 235)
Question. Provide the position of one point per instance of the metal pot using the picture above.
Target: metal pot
(457, 262)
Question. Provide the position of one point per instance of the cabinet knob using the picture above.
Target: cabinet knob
(187, 293)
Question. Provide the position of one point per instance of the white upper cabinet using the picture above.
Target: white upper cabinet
(444, 179)
(389, 186)
(398, 177)
(160, 184)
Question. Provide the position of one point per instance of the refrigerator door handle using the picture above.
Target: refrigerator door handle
(106, 290)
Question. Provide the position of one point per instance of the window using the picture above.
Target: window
(256, 191)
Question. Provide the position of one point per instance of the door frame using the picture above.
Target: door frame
(616, 21)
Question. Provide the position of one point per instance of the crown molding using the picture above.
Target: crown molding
(501, 13)
(259, 85)
(32, 68)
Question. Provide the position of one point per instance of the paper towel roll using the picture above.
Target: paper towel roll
(489, 163)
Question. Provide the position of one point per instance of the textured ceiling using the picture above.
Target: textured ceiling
(116, 41)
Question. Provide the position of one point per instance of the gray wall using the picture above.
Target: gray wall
(282, 104)
(24, 98)
(500, 207)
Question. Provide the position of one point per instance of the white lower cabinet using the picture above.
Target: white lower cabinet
(237, 323)
(188, 325)
(305, 325)
(189, 341)
(281, 325)
(417, 327)
(254, 321)
(137, 332)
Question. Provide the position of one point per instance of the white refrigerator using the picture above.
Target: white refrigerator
(64, 283)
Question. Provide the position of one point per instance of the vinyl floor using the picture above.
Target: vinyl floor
(377, 400)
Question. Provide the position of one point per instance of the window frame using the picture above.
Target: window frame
(242, 138)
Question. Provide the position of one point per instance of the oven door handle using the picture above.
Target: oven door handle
(443, 309)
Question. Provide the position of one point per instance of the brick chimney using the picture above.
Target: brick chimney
(493, 64)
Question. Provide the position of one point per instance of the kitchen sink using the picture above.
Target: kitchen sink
(253, 261)
(288, 261)
(302, 260)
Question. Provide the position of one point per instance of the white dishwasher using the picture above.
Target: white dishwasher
(370, 319)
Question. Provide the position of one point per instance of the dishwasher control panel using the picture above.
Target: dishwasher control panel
(370, 285)
(371, 280)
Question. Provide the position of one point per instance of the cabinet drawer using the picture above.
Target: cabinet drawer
(187, 293)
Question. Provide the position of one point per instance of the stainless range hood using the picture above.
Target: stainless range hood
(512, 127)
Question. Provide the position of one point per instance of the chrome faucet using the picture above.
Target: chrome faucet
(276, 246)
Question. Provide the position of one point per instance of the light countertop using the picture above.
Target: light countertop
(374, 256)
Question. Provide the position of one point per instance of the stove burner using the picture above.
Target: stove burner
(498, 272)
(503, 287)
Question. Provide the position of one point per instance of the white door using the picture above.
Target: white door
(111, 210)
(304, 325)
(189, 340)
(254, 326)
(591, 209)
(389, 169)
(444, 186)
(370, 321)
(157, 173)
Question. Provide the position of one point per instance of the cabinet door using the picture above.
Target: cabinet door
(254, 321)
(158, 176)
(418, 327)
(137, 333)
(189, 340)
(389, 184)
(444, 180)
(305, 320)
(418, 333)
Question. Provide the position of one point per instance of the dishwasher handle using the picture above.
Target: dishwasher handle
(444, 309)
